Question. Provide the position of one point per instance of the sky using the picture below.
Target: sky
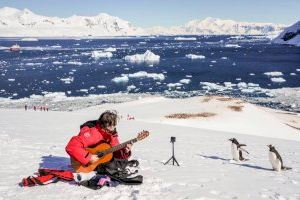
(148, 13)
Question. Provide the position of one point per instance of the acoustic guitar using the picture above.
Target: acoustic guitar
(105, 153)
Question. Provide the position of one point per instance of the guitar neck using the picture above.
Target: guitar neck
(120, 146)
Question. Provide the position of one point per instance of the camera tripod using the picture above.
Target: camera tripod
(172, 157)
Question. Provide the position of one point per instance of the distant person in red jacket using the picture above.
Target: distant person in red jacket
(93, 133)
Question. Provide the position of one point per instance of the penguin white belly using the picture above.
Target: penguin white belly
(235, 152)
(275, 162)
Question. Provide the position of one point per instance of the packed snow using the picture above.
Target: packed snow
(206, 171)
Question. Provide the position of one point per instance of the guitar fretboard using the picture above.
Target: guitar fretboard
(118, 147)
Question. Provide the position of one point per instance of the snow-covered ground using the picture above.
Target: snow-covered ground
(33, 139)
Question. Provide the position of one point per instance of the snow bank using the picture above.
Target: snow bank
(194, 56)
(101, 54)
(148, 56)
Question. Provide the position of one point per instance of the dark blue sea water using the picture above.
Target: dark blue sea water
(40, 65)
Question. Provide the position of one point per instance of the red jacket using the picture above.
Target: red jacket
(90, 137)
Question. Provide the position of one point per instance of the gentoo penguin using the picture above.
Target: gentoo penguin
(236, 150)
(276, 160)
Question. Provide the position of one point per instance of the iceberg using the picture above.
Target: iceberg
(148, 57)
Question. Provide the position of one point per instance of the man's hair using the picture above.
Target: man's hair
(108, 118)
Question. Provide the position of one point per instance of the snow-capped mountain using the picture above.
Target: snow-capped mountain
(25, 23)
(14, 22)
(291, 35)
(215, 26)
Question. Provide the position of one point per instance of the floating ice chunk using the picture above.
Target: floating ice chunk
(101, 54)
(242, 85)
(121, 79)
(74, 63)
(45, 81)
(229, 85)
(83, 90)
(252, 74)
(101, 86)
(293, 74)
(185, 81)
(174, 85)
(148, 56)
(110, 49)
(185, 38)
(194, 56)
(57, 63)
(212, 86)
(232, 46)
(143, 74)
(11, 79)
(273, 73)
(33, 64)
(298, 70)
(224, 58)
(131, 87)
(56, 46)
(278, 80)
(213, 61)
(68, 80)
(30, 39)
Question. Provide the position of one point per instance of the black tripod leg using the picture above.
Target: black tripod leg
(167, 161)
(174, 159)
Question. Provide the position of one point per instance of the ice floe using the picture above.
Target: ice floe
(110, 49)
(74, 63)
(273, 73)
(148, 57)
(143, 74)
(232, 45)
(68, 80)
(121, 79)
(185, 38)
(101, 54)
(185, 81)
(278, 80)
(194, 56)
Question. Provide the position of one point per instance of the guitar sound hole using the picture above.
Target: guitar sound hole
(100, 154)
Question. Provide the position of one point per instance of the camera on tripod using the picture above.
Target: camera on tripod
(173, 139)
